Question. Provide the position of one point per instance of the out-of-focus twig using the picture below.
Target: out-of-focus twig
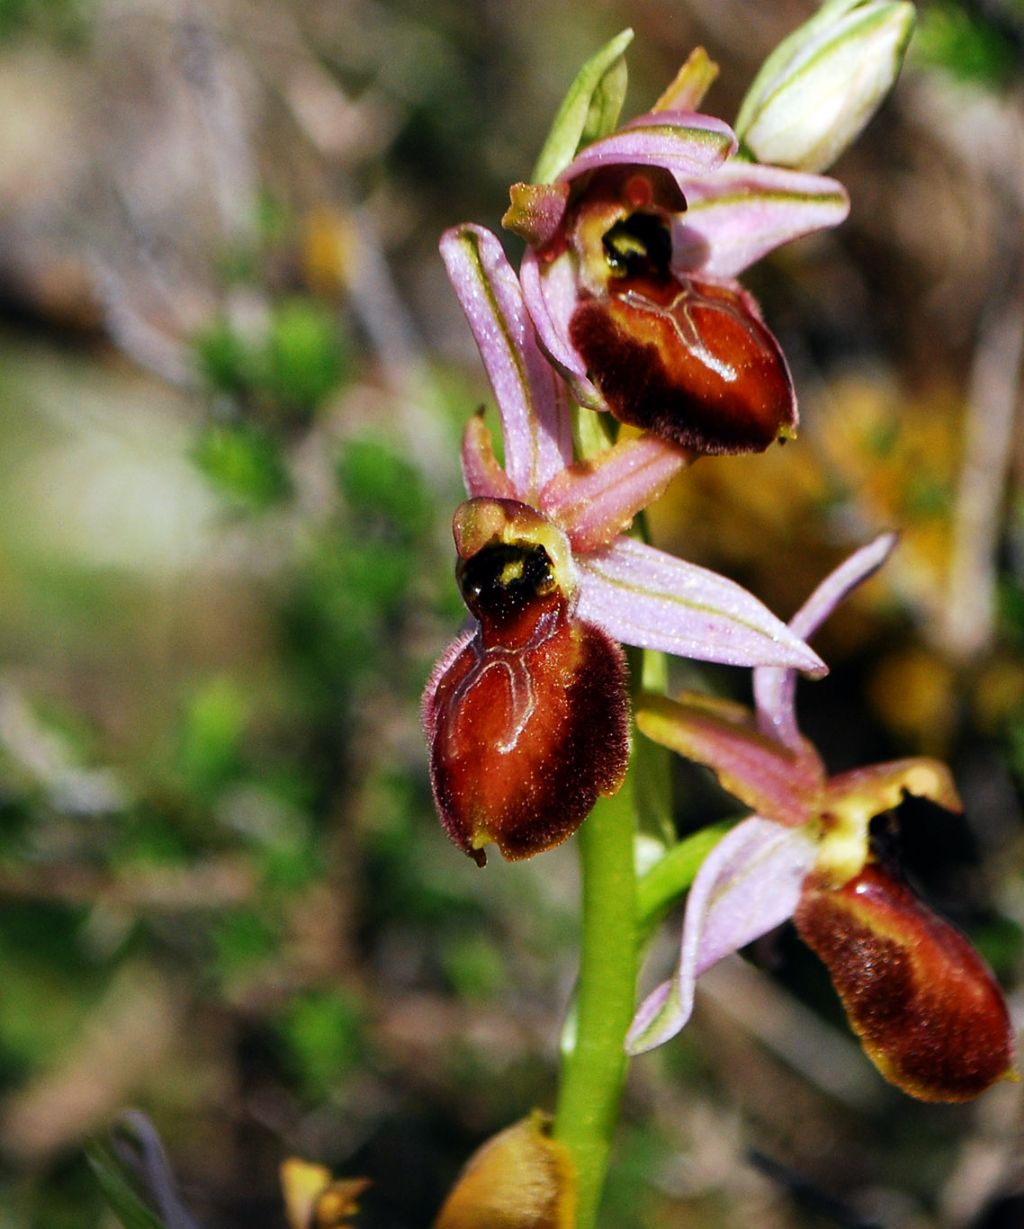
(125, 1039)
(222, 117)
(217, 884)
(806, 1192)
(793, 1032)
(993, 394)
(46, 758)
(139, 1145)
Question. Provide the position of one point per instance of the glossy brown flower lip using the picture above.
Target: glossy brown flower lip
(689, 360)
(926, 1008)
(528, 725)
(687, 356)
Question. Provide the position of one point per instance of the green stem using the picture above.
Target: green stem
(670, 877)
(594, 1072)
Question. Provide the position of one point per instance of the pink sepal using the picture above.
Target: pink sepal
(644, 597)
(747, 885)
(783, 786)
(744, 210)
(531, 398)
(594, 501)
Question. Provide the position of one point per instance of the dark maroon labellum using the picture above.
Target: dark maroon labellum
(688, 359)
(925, 1006)
(528, 720)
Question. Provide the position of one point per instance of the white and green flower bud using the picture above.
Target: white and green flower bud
(818, 89)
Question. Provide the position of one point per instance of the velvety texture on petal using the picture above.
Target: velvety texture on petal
(683, 142)
(644, 597)
(595, 500)
(747, 885)
(925, 1006)
(689, 360)
(518, 1179)
(774, 689)
(744, 211)
(531, 400)
(780, 785)
(523, 740)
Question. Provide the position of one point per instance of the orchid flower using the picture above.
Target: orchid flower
(526, 713)
(925, 1007)
(630, 273)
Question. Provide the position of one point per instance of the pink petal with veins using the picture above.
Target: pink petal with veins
(683, 142)
(743, 211)
(551, 291)
(644, 597)
(747, 885)
(774, 689)
(786, 788)
(531, 399)
(595, 500)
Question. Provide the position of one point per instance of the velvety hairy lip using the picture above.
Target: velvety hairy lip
(525, 741)
(925, 1006)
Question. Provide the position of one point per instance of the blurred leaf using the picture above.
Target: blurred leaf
(305, 358)
(964, 45)
(62, 20)
(1000, 941)
(323, 1033)
(223, 358)
(243, 464)
(146, 835)
(589, 110)
(291, 856)
(377, 482)
(244, 940)
(118, 1190)
(213, 726)
(474, 966)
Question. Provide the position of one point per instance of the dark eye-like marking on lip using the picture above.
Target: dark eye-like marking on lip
(503, 579)
(638, 245)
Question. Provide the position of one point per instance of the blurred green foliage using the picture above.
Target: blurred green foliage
(323, 1036)
(243, 463)
(285, 374)
(966, 45)
(63, 20)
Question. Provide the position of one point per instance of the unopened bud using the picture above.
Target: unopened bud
(818, 89)
(519, 1179)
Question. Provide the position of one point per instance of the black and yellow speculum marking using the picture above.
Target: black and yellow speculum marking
(504, 578)
(638, 245)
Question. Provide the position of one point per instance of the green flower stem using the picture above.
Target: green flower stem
(664, 884)
(594, 1072)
